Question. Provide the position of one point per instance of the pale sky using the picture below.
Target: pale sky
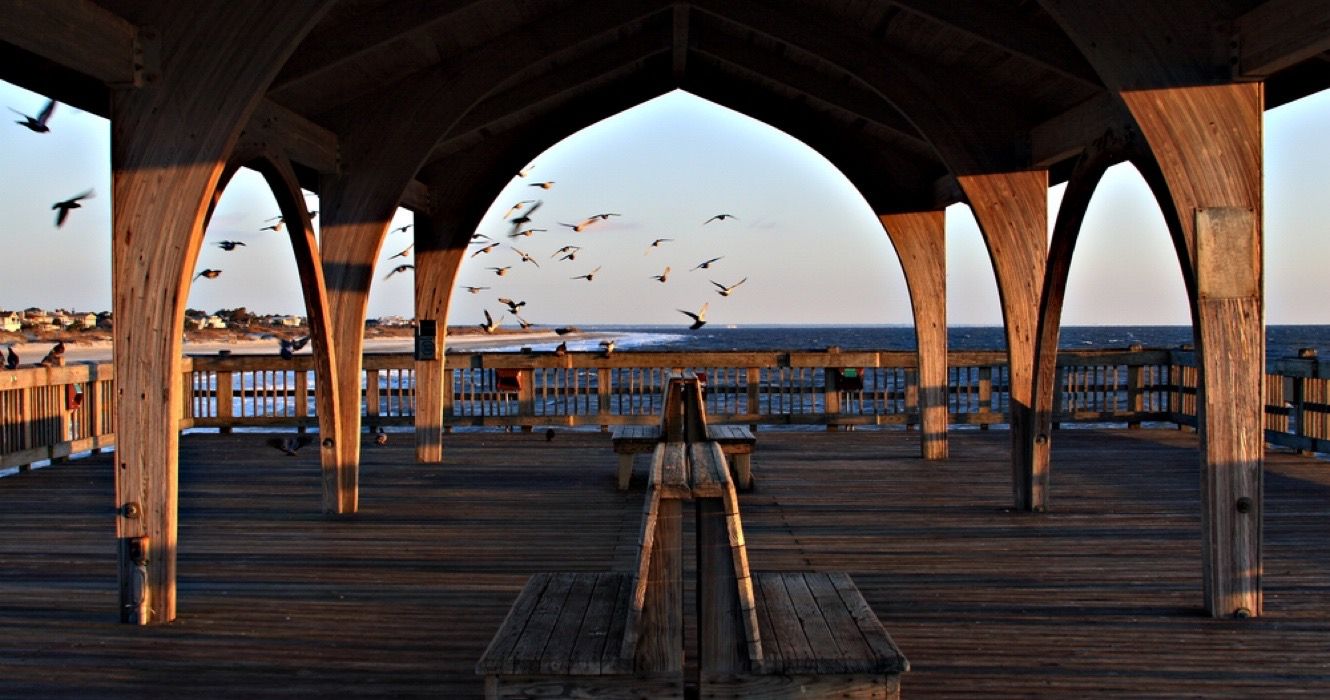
(806, 241)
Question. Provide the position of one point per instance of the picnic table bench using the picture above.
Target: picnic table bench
(769, 635)
(737, 442)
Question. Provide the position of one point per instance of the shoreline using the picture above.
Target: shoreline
(100, 350)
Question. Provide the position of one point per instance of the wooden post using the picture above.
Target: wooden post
(1012, 211)
(225, 399)
(1135, 388)
(921, 244)
(170, 140)
(1299, 401)
(93, 398)
(831, 394)
(1207, 142)
(439, 252)
(302, 399)
(603, 389)
(985, 394)
(913, 414)
(27, 417)
(754, 394)
(373, 397)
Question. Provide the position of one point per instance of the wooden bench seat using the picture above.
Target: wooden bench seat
(602, 635)
(736, 441)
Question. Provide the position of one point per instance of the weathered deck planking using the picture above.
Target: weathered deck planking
(1101, 596)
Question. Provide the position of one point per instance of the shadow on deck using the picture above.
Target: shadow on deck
(1101, 596)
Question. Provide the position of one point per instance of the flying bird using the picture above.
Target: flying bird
(726, 291)
(475, 290)
(479, 237)
(564, 330)
(656, 244)
(36, 124)
(580, 227)
(526, 232)
(404, 252)
(513, 306)
(588, 276)
(210, 274)
(707, 265)
(525, 324)
(526, 257)
(662, 276)
(570, 249)
(602, 217)
(401, 229)
(288, 348)
(500, 271)
(399, 268)
(490, 325)
(62, 208)
(520, 221)
(542, 185)
(486, 249)
(699, 318)
(290, 445)
(517, 207)
(719, 217)
(11, 359)
(526, 171)
(228, 245)
(275, 228)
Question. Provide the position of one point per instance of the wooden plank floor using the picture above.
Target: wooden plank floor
(1100, 597)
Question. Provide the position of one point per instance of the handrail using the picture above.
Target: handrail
(796, 387)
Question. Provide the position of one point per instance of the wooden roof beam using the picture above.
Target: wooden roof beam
(901, 79)
(524, 104)
(1280, 33)
(335, 44)
(869, 107)
(1067, 134)
(679, 57)
(988, 23)
(82, 36)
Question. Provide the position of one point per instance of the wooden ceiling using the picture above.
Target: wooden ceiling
(900, 95)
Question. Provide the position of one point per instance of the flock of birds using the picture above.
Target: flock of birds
(52, 359)
(520, 219)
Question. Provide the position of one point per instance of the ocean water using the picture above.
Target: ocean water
(1281, 341)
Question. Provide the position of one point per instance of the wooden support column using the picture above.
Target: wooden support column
(169, 144)
(921, 244)
(1207, 142)
(440, 251)
(1085, 177)
(1012, 211)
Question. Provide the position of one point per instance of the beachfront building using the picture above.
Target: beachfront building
(10, 321)
(921, 105)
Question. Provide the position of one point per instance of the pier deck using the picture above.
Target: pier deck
(1101, 596)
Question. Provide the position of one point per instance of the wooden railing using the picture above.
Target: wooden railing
(49, 413)
(771, 388)
(761, 388)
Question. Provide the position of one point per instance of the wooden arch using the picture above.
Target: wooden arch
(281, 179)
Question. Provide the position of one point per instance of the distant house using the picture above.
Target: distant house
(10, 321)
(88, 320)
(394, 321)
(286, 321)
(209, 322)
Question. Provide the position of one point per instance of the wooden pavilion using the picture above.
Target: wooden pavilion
(432, 105)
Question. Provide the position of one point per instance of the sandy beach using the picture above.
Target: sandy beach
(100, 351)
